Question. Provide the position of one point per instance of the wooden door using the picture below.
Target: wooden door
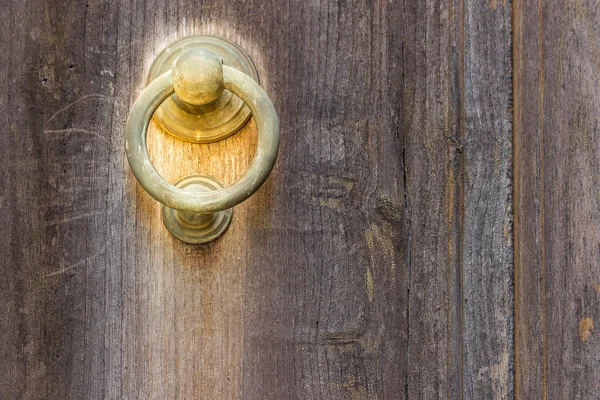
(430, 229)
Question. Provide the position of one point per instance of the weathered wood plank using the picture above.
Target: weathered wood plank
(557, 89)
(326, 294)
(487, 243)
(530, 350)
(57, 207)
(183, 306)
(432, 162)
(457, 126)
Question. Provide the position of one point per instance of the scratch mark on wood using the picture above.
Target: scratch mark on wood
(78, 101)
(73, 266)
(71, 218)
(74, 131)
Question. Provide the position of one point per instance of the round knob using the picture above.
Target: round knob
(197, 76)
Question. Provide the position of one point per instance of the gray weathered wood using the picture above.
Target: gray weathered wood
(457, 127)
(375, 263)
(487, 242)
(557, 199)
(431, 128)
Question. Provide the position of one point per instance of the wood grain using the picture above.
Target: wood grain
(326, 275)
(487, 242)
(557, 89)
(458, 135)
(432, 126)
(375, 263)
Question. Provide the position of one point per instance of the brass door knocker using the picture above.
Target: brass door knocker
(201, 99)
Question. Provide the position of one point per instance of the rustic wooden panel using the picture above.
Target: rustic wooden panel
(432, 158)
(326, 276)
(557, 98)
(458, 135)
(487, 242)
(374, 264)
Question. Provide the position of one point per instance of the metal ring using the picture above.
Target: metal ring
(203, 202)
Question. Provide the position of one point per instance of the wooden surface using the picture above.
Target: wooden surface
(377, 260)
(456, 126)
(557, 199)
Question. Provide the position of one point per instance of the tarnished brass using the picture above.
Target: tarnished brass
(192, 227)
(198, 209)
(210, 121)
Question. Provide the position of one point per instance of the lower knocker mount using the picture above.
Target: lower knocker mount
(192, 227)
(201, 89)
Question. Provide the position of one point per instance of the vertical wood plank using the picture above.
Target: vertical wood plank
(183, 305)
(487, 243)
(530, 352)
(432, 164)
(326, 275)
(458, 169)
(57, 173)
(20, 293)
(556, 188)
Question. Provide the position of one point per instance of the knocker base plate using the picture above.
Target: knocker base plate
(197, 228)
(213, 121)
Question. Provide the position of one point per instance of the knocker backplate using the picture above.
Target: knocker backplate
(213, 121)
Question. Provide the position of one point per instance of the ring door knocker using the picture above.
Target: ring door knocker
(198, 94)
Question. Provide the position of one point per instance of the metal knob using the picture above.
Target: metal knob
(198, 209)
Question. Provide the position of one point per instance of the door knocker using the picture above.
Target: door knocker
(201, 89)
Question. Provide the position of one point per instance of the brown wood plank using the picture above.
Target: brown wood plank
(557, 87)
(57, 233)
(529, 270)
(432, 161)
(183, 306)
(326, 276)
